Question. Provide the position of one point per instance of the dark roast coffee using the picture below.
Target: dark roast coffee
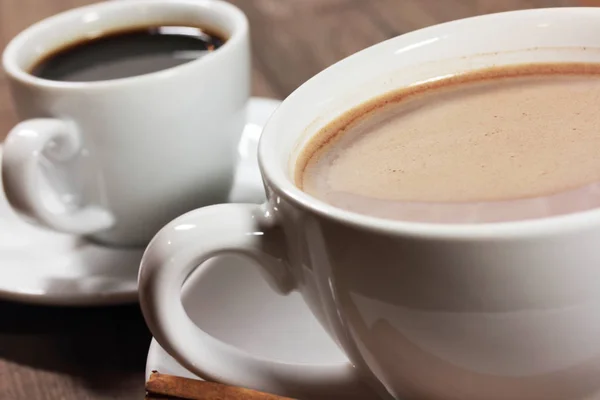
(127, 53)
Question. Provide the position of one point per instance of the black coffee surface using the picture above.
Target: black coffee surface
(127, 53)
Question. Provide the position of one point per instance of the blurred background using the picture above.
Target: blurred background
(99, 353)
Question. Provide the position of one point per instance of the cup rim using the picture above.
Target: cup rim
(14, 70)
(282, 185)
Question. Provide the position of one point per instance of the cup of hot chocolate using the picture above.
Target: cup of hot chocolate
(436, 201)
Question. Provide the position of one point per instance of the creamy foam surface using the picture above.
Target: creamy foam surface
(501, 144)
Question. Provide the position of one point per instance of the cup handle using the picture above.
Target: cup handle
(20, 173)
(176, 251)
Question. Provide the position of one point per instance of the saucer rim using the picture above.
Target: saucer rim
(156, 351)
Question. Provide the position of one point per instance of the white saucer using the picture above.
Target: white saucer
(44, 267)
(231, 301)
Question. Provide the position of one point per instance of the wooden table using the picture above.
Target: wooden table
(99, 353)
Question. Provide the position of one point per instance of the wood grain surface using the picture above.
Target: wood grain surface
(49, 353)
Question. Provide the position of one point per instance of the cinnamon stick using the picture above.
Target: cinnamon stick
(162, 386)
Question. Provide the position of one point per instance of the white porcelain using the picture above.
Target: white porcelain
(120, 158)
(253, 318)
(429, 311)
(41, 266)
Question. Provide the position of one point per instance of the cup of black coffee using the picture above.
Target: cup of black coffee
(130, 115)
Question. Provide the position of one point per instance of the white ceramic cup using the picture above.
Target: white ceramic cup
(117, 159)
(424, 311)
